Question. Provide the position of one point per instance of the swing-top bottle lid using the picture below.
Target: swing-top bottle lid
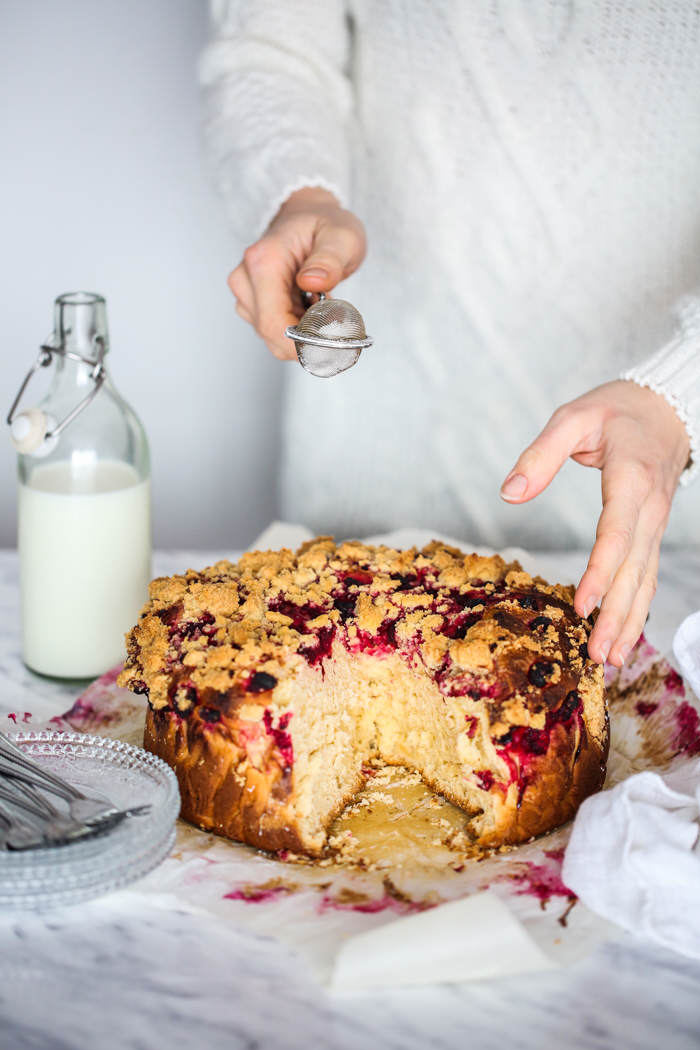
(80, 334)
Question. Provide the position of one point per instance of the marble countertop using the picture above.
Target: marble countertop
(121, 972)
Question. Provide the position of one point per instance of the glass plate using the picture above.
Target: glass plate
(127, 776)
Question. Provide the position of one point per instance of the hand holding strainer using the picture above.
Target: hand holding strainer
(329, 337)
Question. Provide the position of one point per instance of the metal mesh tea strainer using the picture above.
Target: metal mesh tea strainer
(329, 337)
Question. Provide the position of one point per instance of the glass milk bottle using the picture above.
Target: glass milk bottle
(84, 530)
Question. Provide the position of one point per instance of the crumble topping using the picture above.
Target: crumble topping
(481, 628)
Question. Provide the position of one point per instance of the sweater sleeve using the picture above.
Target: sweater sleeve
(278, 104)
(674, 372)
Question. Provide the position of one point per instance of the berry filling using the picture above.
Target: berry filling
(180, 631)
(319, 646)
(459, 625)
(484, 778)
(280, 736)
(381, 643)
(520, 746)
(298, 614)
(466, 684)
(472, 723)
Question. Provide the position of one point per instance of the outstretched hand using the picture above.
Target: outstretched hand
(639, 444)
(311, 245)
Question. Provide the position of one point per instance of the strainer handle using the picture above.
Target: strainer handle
(308, 296)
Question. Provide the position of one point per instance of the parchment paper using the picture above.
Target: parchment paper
(403, 899)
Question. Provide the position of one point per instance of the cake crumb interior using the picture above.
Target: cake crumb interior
(360, 709)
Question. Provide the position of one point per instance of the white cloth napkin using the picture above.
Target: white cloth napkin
(634, 854)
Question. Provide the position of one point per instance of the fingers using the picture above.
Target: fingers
(566, 433)
(337, 252)
(621, 572)
(241, 287)
(271, 279)
(628, 597)
(634, 624)
(630, 440)
(309, 251)
(625, 491)
(266, 297)
(239, 283)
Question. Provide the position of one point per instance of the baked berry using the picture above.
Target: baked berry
(540, 672)
(528, 601)
(540, 621)
(359, 579)
(170, 616)
(468, 601)
(261, 682)
(346, 607)
(569, 706)
(458, 627)
(536, 741)
(209, 714)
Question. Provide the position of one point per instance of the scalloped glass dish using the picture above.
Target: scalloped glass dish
(39, 879)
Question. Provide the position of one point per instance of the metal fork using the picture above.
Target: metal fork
(38, 821)
(29, 820)
(82, 808)
(23, 784)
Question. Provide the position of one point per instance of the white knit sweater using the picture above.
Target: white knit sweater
(529, 176)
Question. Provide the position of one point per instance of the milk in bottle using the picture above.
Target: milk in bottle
(84, 529)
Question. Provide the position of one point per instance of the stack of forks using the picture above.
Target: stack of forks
(39, 809)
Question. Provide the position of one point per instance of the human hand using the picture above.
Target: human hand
(310, 245)
(641, 447)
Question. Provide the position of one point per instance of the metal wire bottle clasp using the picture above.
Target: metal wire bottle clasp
(45, 358)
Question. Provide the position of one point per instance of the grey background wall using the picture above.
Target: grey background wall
(104, 187)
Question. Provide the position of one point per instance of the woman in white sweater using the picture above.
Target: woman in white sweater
(527, 174)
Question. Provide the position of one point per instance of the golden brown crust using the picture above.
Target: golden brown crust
(245, 805)
(558, 782)
(214, 794)
(215, 650)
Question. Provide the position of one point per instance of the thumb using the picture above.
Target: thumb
(336, 253)
(547, 454)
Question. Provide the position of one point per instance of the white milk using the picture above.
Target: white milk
(85, 564)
